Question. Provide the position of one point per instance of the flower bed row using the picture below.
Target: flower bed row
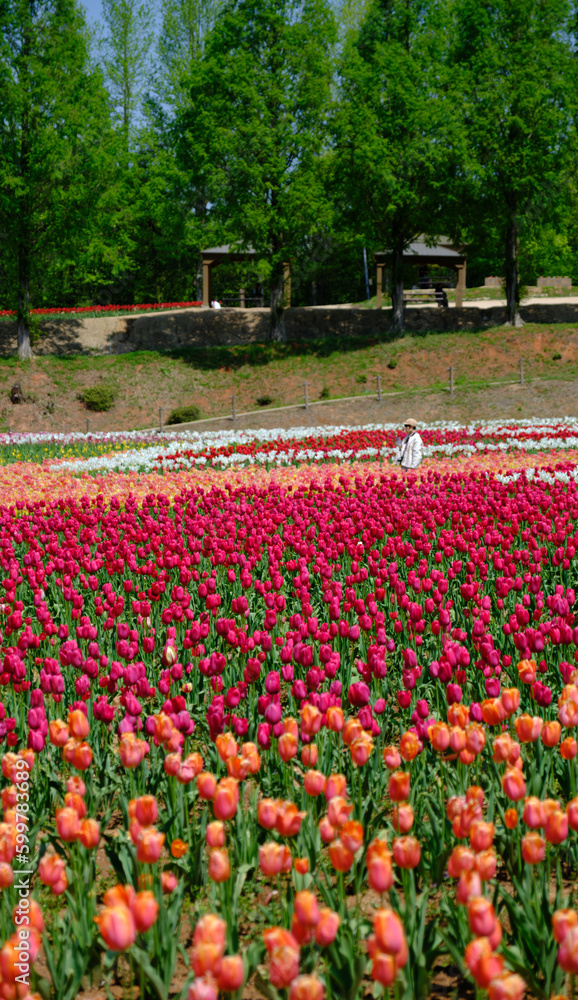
(97, 310)
(346, 709)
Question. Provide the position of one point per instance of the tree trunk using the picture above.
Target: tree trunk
(397, 316)
(513, 317)
(277, 314)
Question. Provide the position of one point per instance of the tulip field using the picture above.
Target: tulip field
(278, 720)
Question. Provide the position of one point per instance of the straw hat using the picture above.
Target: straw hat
(410, 422)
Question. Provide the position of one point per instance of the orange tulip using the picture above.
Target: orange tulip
(232, 974)
(172, 764)
(179, 848)
(67, 824)
(485, 864)
(507, 986)
(148, 845)
(511, 700)
(493, 712)
(58, 733)
(481, 916)
(226, 798)
(206, 959)
(513, 784)
(568, 952)
(439, 735)
(327, 927)
(226, 746)
(326, 831)
(481, 961)
(51, 871)
(301, 865)
(145, 810)
(550, 734)
(475, 738)
(306, 908)
(89, 834)
(528, 728)
(212, 929)
(338, 811)
(289, 819)
(191, 766)
(391, 758)
(534, 814)
(311, 719)
(267, 811)
(219, 867)
(383, 969)
(80, 755)
(351, 835)
(527, 671)
(287, 746)
(361, 750)
(556, 827)
(131, 750)
(399, 786)
(76, 802)
(352, 730)
(481, 835)
(206, 785)
(314, 782)
(457, 739)
(78, 724)
(533, 848)
(388, 930)
(568, 748)
(215, 835)
(402, 818)
(309, 755)
(117, 927)
(169, 882)
(336, 784)
(572, 813)
(379, 866)
(460, 860)
(271, 858)
(502, 748)
(335, 719)
(341, 858)
(145, 910)
(406, 852)
(469, 886)
(458, 715)
(562, 922)
(511, 819)
(409, 746)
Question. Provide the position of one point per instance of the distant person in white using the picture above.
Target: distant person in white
(410, 447)
(215, 304)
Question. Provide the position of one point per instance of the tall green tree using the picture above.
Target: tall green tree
(54, 123)
(512, 67)
(127, 45)
(397, 137)
(256, 125)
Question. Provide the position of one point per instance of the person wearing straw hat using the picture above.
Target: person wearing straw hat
(410, 447)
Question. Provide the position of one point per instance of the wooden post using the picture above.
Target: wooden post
(306, 393)
(207, 282)
(451, 381)
(242, 297)
(461, 285)
(87, 426)
(521, 371)
(287, 284)
(378, 380)
(379, 290)
(161, 411)
(234, 408)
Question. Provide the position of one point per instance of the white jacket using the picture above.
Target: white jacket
(410, 452)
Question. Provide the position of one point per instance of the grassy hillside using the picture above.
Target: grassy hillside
(267, 375)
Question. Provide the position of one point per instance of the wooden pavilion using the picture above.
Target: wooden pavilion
(442, 254)
(214, 256)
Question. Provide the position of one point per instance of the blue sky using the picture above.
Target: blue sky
(93, 9)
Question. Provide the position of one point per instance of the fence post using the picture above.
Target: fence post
(161, 411)
(242, 297)
(306, 393)
(234, 408)
(521, 371)
(87, 426)
(451, 381)
(378, 380)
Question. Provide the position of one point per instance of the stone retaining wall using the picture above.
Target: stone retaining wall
(205, 327)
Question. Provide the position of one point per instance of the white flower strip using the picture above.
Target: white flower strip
(166, 453)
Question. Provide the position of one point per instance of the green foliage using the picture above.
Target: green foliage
(264, 400)
(183, 414)
(97, 398)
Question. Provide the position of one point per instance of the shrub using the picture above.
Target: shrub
(324, 394)
(183, 414)
(264, 400)
(556, 357)
(97, 398)
(392, 364)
